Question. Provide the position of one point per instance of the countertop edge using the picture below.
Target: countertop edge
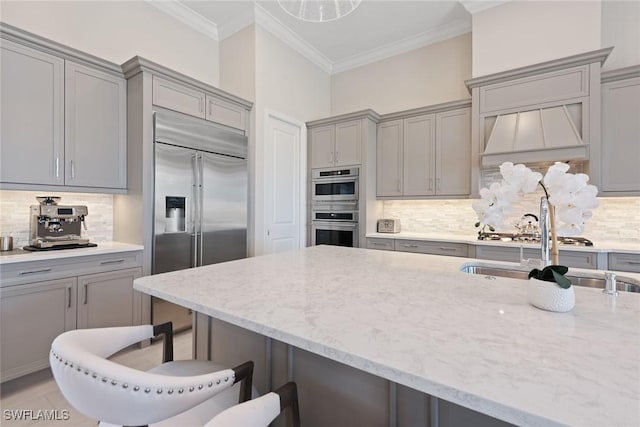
(103, 248)
(606, 247)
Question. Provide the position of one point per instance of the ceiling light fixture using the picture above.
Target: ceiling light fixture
(319, 10)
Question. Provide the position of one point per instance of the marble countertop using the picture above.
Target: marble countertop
(417, 320)
(20, 255)
(599, 246)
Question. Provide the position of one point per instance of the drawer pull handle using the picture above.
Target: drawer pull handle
(378, 244)
(632, 262)
(115, 261)
(442, 248)
(410, 246)
(86, 294)
(44, 270)
(69, 296)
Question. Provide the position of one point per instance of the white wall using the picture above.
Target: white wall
(621, 28)
(287, 83)
(425, 76)
(238, 63)
(117, 31)
(258, 66)
(520, 33)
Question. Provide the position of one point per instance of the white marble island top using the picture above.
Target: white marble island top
(417, 320)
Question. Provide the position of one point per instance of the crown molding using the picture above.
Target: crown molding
(476, 6)
(599, 55)
(620, 74)
(187, 16)
(426, 38)
(294, 41)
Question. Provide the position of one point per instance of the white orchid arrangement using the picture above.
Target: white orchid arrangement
(570, 196)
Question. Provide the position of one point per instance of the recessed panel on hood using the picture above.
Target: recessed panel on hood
(539, 135)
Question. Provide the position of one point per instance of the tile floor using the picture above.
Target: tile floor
(39, 392)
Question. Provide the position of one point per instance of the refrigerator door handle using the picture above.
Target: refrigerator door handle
(201, 201)
(195, 210)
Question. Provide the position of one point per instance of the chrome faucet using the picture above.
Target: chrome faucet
(544, 231)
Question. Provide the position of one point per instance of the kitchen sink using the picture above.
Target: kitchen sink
(590, 280)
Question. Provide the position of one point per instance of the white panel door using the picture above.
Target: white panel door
(283, 184)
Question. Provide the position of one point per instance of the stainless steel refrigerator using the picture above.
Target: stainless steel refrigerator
(200, 206)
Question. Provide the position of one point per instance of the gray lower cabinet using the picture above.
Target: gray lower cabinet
(63, 120)
(381, 244)
(433, 248)
(419, 246)
(624, 262)
(577, 259)
(106, 299)
(33, 314)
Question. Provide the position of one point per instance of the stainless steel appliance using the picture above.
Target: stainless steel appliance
(334, 215)
(388, 226)
(200, 206)
(335, 185)
(53, 226)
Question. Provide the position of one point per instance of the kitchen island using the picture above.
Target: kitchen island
(417, 321)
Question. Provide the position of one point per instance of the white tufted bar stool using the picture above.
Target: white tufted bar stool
(261, 411)
(176, 393)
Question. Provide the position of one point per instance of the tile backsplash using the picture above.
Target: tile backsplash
(14, 214)
(616, 218)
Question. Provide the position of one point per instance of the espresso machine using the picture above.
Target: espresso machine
(55, 226)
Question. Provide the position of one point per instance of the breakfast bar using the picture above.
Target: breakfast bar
(418, 322)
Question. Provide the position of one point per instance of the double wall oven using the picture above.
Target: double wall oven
(334, 207)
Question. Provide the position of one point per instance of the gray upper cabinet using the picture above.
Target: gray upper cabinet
(453, 154)
(336, 145)
(419, 153)
(178, 97)
(95, 128)
(225, 113)
(63, 120)
(322, 146)
(621, 132)
(196, 102)
(424, 155)
(32, 116)
(389, 158)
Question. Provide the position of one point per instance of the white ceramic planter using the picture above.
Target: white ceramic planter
(549, 296)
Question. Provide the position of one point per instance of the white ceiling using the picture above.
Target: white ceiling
(375, 30)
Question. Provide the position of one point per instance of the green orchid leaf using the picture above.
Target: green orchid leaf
(559, 268)
(562, 281)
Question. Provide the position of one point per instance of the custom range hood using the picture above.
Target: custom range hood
(545, 112)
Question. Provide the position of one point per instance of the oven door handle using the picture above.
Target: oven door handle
(322, 223)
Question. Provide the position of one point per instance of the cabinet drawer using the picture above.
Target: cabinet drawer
(382, 244)
(577, 259)
(177, 97)
(32, 271)
(225, 113)
(624, 262)
(434, 248)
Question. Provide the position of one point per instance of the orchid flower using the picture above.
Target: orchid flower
(570, 194)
